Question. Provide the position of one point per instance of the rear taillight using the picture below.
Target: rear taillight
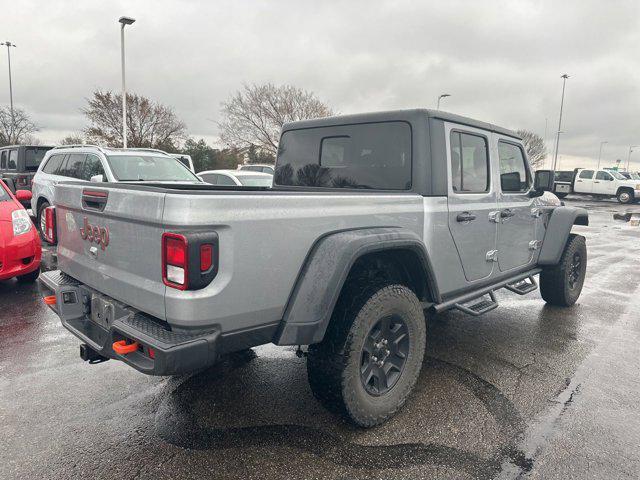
(50, 224)
(175, 265)
(206, 257)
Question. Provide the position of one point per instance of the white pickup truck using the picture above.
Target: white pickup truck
(600, 183)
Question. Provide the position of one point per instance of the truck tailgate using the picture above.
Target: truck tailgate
(110, 240)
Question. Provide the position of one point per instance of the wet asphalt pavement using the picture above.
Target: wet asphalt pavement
(526, 391)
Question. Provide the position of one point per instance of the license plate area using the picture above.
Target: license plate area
(102, 311)
(563, 188)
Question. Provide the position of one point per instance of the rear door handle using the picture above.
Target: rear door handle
(465, 217)
(507, 213)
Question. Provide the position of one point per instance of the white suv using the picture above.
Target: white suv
(97, 164)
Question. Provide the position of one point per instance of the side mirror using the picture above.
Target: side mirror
(543, 181)
(23, 195)
(97, 178)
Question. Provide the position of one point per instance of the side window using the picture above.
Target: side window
(53, 164)
(92, 166)
(209, 178)
(3, 159)
(603, 176)
(13, 160)
(586, 174)
(469, 163)
(514, 176)
(73, 167)
(224, 180)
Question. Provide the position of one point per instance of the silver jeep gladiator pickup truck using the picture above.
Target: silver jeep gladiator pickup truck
(374, 222)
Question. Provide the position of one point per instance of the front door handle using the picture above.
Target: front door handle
(465, 217)
(507, 213)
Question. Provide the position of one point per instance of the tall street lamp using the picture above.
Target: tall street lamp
(444, 95)
(631, 147)
(13, 120)
(124, 21)
(600, 153)
(555, 156)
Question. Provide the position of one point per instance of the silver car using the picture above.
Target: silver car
(91, 163)
(241, 178)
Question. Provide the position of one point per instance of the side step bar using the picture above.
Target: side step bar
(481, 307)
(524, 286)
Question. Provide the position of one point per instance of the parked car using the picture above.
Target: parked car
(375, 221)
(185, 160)
(20, 162)
(236, 178)
(630, 175)
(258, 167)
(91, 163)
(20, 250)
(598, 183)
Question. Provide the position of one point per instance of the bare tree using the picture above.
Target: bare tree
(254, 116)
(14, 129)
(73, 139)
(149, 124)
(535, 146)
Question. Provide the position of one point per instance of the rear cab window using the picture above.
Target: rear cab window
(12, 162)
(33, 157)
(357, 156)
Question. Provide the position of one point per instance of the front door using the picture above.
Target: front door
(472, 200)
(604, 184)
(517, 227)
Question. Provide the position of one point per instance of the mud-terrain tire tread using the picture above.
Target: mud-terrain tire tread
(554, 287)
(328, 361)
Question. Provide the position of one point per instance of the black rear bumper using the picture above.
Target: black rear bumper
(161, 351)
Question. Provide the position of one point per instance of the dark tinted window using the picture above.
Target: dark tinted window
(469, 163)
(12, 164)
(514, 176)
(91, 167)
(586, 174)
(53, 164)
(3, 194)
(376, 155)
(224, 180)
(33, 156)
(603, 176)
(73, 165)
(211, 178)
(564, 176)
(3, 159)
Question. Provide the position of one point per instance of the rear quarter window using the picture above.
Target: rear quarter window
(33, 157)
(360, 156)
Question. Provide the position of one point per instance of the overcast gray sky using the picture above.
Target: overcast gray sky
(500, 60)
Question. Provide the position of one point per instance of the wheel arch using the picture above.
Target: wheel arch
(328, 266)
(559, 227)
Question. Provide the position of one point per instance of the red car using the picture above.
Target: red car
(20, 249)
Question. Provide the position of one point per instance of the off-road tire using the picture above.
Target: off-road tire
(557, 286)
(626, 197)
(40, 217)
(29, 277)
(333, 366)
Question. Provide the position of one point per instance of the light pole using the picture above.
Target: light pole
(631, 147)
(13, 120)
(600, 153)
(555, 156)
(444, 95)
(124, 21)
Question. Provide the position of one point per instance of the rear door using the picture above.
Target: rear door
(121, 256)
(584, 182)
(517, 227)
(471, 199)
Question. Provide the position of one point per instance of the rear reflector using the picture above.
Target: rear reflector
(50, 300)
(206, 257)
(50, 224)
(175, 254)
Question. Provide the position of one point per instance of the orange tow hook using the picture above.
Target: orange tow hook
(121, 347)
(50, 300)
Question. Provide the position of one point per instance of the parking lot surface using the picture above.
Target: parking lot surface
(525, 391)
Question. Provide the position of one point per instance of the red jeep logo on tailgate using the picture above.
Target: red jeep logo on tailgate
(95, 234)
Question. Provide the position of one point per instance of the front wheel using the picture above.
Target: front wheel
(625, 196)
(371, 355)
(561, 284)
(42, 226)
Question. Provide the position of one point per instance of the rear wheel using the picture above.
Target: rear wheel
(29, 277)
(371, 355)
(42, 227)
(625, 196)
(561, 284)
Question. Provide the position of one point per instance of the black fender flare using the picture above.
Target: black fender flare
(325, 271)
(559, 226)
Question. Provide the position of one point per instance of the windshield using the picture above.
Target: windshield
(128, 168)
(33, 157)
(617, 175)
(255, 181)
(4, 196)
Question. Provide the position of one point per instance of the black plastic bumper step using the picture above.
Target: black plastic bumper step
(524, 286)
(482, 305)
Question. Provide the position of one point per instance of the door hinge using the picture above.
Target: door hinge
(494, 216)
(492, 256)
(535, 244)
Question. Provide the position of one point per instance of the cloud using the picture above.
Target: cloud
(501, 61)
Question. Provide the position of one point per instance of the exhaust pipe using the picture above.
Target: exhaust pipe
(88, 354)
